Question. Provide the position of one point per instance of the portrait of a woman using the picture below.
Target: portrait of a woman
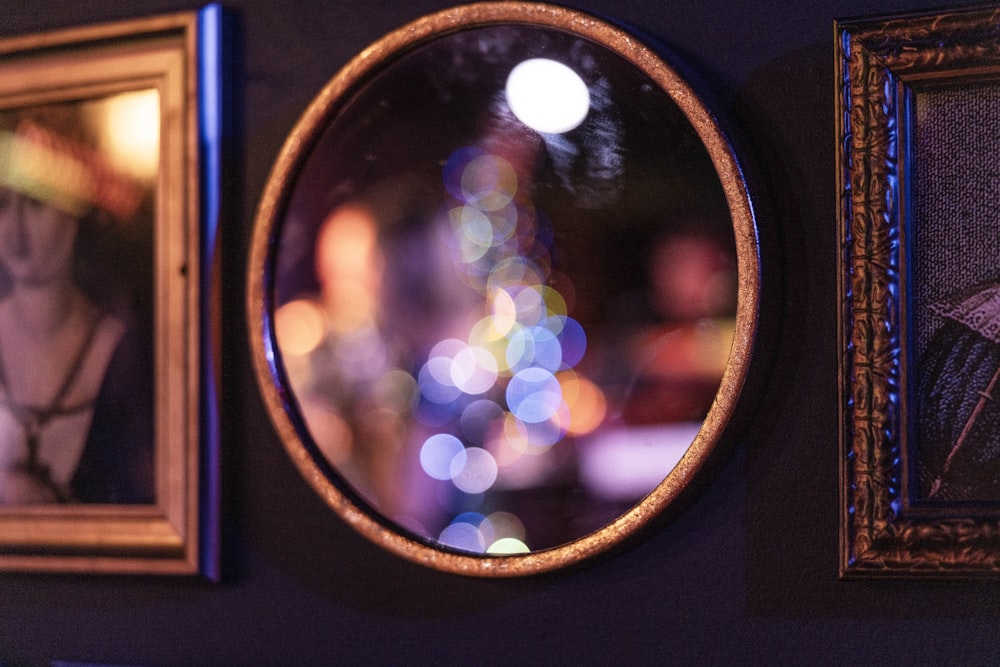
(76, 396)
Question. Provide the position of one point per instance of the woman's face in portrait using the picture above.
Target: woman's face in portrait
(36, 239)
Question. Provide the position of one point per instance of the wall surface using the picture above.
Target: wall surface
(746, 575)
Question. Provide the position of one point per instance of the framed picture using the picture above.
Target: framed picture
(109, 139)
(918, 113)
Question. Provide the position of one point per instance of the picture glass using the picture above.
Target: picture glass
(956, 291)
(77, 184)
(504, 289)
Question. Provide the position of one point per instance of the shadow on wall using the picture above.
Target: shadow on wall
(792, 517)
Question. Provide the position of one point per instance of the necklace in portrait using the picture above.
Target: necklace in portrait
(34, 419)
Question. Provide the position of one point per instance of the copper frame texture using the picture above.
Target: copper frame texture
(177, 55)
(259, 290)
(879, 64)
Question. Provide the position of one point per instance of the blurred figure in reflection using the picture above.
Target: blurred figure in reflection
(680, 359)
(959, 437)
(349, 354)
(374, 327)
(75, 398)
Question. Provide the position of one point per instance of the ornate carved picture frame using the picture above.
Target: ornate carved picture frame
(916, 96)
(109, 182)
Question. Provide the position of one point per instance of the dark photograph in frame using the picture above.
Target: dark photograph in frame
(918, 113)
(109, 153)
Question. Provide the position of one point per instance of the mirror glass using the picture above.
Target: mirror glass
(503, 286)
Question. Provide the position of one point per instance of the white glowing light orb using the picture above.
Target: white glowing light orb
(437, 454)
(474, 370)
(507, 546)
(547, 96)
(463, 536)
(473, 470)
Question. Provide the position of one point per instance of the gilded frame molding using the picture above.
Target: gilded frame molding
(260, 287)
(879, 64)
(178, 55)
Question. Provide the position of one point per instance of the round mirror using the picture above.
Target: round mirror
(503, 288)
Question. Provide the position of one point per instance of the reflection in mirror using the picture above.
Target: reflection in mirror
(504, 288)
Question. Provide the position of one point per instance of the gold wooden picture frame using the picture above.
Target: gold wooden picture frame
(916, 265)
(109, 139)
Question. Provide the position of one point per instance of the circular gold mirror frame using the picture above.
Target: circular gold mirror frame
(281, 182)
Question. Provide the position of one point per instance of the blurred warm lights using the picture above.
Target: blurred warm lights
(586, 403)
(332, 434)
(299, 326)
(692, 277)
(698, 351)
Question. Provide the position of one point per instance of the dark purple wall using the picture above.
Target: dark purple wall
(748, 574)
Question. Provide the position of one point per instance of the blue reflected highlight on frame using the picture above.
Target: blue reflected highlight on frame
(210, 38)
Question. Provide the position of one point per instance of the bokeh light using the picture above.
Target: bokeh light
(507, 546)
(503, 525)
(396, 391)
(547, 96)
(503, 398)
(489, 182)
(437, 454)
(473, 470)
(299, 326)
(534, 395)
(463, 536)
(474, 370)
(586, 403)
